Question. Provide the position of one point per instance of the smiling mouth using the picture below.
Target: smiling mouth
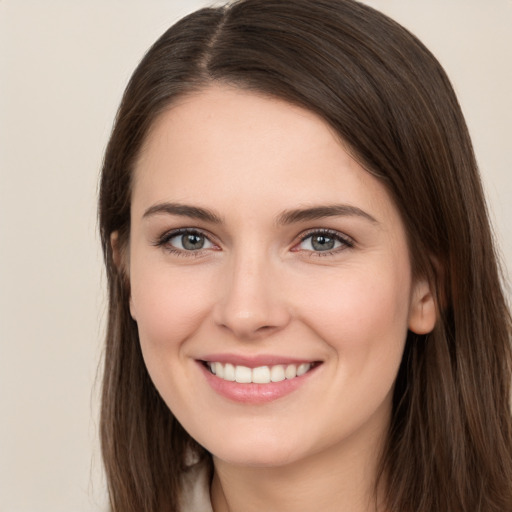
(259, 375)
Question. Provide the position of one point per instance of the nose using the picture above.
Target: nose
(252, 302)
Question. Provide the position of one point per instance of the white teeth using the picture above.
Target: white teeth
(229, 372)
(243, 374)
(219, 370)
(302, 369)
(291, 371)
(277, 373)
(259, 375)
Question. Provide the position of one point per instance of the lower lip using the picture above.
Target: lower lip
(252, 393)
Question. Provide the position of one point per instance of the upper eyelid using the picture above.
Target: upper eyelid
(171, 233)
(163, 242)
(326, 231)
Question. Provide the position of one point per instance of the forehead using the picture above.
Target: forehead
(199, 123)
(228, 146)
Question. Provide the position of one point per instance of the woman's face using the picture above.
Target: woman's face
(261, 251)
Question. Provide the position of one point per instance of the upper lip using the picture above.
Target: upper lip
(254, 361)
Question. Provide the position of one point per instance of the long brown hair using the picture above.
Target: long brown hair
(450, 442)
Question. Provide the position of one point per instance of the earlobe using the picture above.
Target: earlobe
(423, 311)
(132, 309)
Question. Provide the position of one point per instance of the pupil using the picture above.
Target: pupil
(322, 243)
(192, 242)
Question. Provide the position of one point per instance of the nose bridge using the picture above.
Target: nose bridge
(250, 301)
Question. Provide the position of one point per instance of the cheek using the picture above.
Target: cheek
(168, 306)
(363, 320)
(359, 310)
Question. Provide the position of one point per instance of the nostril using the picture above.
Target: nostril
(266, 328)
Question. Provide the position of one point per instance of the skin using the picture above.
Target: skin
(258, 286)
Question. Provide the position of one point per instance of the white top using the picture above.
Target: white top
(196, 490)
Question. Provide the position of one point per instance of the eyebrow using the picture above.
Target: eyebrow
(285, 218)
(183, 210)
(320, 212)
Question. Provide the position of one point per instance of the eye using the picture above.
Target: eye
(185, 240)
(326, 241)
(190, 242)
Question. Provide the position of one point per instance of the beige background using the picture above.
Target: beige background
(63, 66)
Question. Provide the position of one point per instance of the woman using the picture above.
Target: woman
(305, 303)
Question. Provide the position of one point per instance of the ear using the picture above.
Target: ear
(119, 258)
(116, 251)
(422, 311)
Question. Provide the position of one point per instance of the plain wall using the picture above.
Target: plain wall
(63, 67)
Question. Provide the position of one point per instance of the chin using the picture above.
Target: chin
(250, 452)
(256, 459)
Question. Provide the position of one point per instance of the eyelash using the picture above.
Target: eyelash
(345, 241)
(163, 241)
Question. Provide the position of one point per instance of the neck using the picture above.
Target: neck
(342, 478)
